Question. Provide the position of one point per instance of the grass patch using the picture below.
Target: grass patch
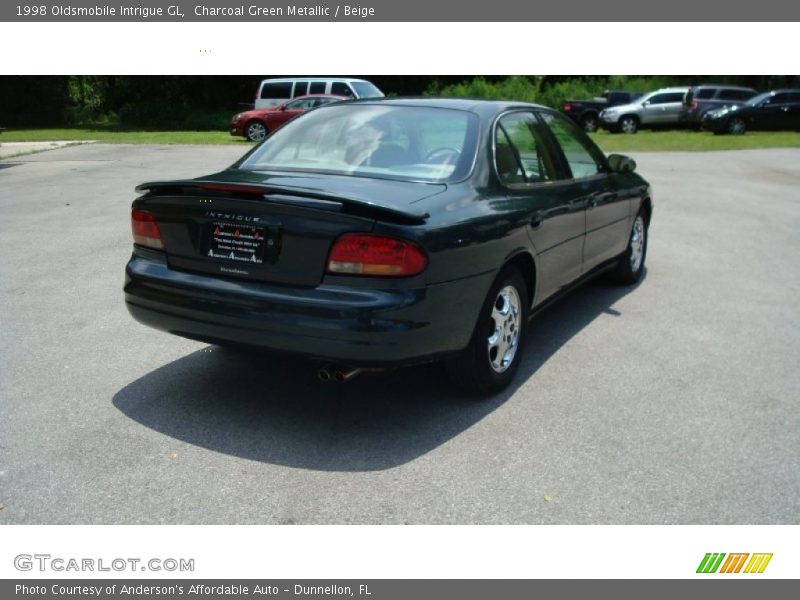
(644, 141)
(693, 141)
(116, 135)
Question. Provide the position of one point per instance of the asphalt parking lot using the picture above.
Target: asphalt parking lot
(674, 402)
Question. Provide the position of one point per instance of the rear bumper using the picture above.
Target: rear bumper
(352, 325)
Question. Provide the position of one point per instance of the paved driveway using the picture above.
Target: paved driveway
(675, 402)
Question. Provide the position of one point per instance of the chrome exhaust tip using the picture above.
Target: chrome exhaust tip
(324, 374)
(342, 375)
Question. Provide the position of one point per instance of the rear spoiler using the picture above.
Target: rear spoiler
(283, 195)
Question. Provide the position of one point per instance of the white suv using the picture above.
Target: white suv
(273, 92)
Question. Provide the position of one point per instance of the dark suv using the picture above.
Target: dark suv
(701, 99)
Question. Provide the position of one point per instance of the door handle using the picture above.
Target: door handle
(600, 198)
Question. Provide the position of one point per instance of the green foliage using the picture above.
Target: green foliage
(158, 115)
(516, 87)
(550, 91)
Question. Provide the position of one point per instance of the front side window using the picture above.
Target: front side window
(520, 150)
(300, 104)
(777, 99)
(583, 157)
(394, 142)
(339, 88)
(667, 97)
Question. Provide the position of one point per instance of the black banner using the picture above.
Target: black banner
(397, 589)
(394, 11)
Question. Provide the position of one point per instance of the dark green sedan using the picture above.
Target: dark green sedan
(381, 233)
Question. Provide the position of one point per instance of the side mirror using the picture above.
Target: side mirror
(619, 163)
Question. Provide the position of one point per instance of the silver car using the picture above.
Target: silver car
(662, 107)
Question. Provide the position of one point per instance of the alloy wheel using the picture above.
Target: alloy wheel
(503, 342)
(256, 131)
(637, 244)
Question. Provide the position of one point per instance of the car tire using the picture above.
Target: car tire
(491, 360)
(736, 126)
(590, 123)
(630, 265)
(629, 124)
(255, 131)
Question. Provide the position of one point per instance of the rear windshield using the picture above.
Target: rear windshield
(370, 140)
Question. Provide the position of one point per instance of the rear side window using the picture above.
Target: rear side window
(520, 150)
(705, 93)
(278, 89)
(339, 88)
(583, 157)
(300, 88)
(737, 95)
(317, 87)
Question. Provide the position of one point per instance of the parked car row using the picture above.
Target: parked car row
(278, 101)
(717, 108)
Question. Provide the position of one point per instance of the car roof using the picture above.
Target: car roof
(723, 86)
(282, 79)
(469, 104)
(315, 96)
(678, 88)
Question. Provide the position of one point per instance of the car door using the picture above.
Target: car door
(663, 108)
(533, 178)
(793, 112)
(591, 183)
(773, 113)
(292, 109)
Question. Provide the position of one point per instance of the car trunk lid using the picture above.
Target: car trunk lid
(272, 227)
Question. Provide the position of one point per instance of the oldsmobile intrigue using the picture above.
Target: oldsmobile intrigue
(380, 233)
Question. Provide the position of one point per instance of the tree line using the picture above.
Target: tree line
(207, 101)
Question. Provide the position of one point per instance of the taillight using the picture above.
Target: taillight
(567, 107)
(693, 105)
(145, 230)
(360, 254)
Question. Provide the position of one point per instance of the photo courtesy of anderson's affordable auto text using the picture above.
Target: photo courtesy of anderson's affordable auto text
(481, 329)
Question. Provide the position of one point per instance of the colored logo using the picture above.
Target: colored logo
(719, 562)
